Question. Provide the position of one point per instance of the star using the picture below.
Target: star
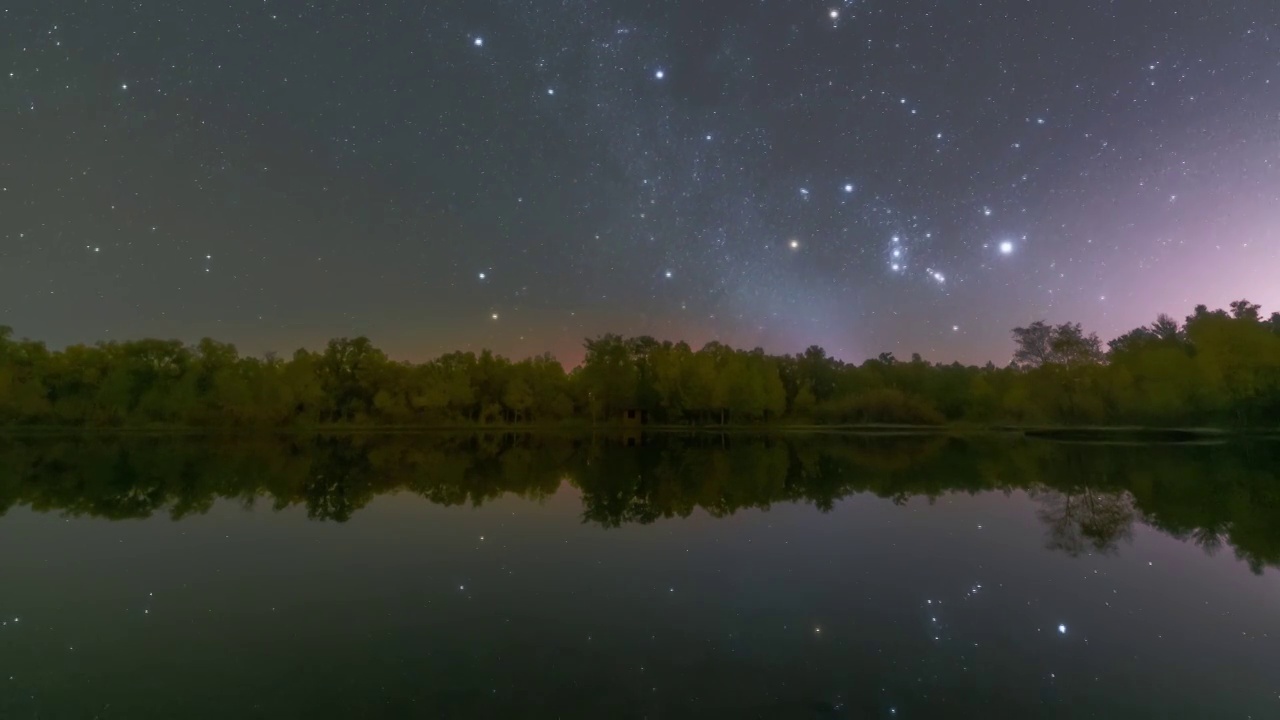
(621, 175)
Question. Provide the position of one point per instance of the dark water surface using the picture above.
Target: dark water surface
(517, 577)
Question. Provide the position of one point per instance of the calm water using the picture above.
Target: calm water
(812, 577)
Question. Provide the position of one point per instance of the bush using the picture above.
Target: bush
(883, 405)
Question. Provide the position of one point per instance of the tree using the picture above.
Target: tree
(820, 370)
(1042, 344)
(1245, 310)
(1034, 344)
(346, 371)
(1221, 368)
(804, 402)
(608, 375)
(1166, 328)
(23, 367)
(1239, 359)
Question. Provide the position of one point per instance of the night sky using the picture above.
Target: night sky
(914, 175)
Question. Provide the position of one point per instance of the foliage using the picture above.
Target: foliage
(1218, 368)
(882, 405)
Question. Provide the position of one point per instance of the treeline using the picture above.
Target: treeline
(1089, 497)
(1216, 368)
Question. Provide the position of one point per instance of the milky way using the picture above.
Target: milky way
(908, 176)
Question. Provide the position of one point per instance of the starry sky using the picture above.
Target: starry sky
(867, 175)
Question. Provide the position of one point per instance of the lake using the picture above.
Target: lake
(503, 576)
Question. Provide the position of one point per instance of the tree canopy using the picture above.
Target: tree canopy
(1219, 367)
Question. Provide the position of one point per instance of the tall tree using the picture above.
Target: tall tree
(1042, 344)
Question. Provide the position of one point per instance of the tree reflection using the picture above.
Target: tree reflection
(1086, 521)
(1089, 497)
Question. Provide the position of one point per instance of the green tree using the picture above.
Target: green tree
(608, 376)
(346, 372)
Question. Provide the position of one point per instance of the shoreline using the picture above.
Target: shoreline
(1036, 432)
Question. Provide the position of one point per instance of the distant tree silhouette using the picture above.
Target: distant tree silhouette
(1219, 368)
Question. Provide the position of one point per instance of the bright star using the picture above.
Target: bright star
(667, 273)
(660, 74)
(954, 328)
(1062, 629)
(895, 238)
(835, 14)
(481, 276)
(986, 211)
(494, 316)
(804, 192)
(1006, 247)
(794, 244)
(848, 188)
(897, 253)
(896, 267)
(551, 91)
(479, 42)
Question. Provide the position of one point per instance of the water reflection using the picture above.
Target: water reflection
(1089, 496)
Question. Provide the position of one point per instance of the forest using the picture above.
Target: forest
(1217, 368)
